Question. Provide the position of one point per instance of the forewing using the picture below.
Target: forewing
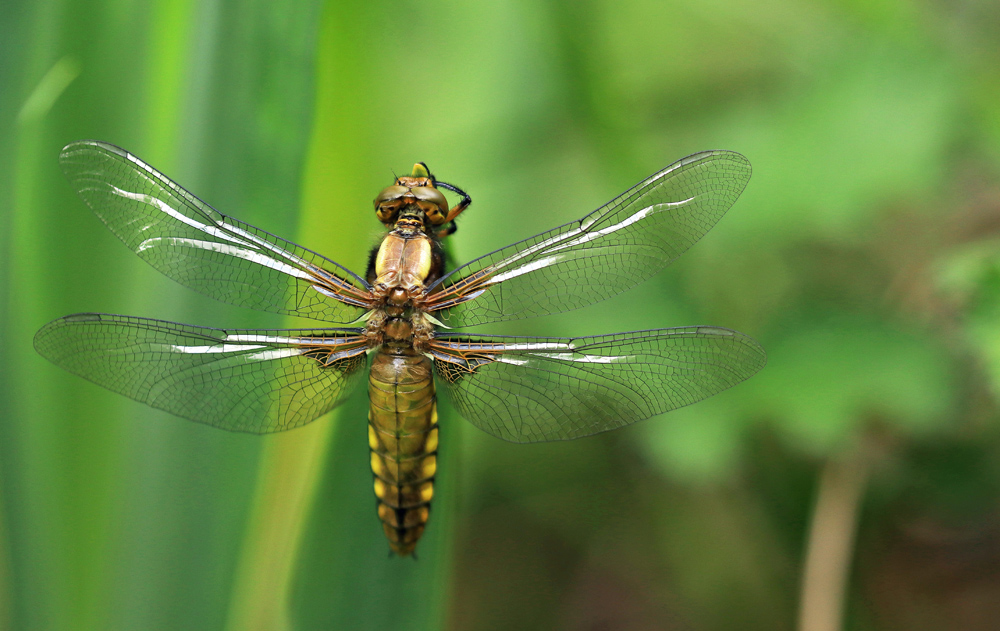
(610, 250)
(245, 381)
(536, 389)
(197, 246)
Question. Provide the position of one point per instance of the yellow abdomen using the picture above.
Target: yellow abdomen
(403, 438)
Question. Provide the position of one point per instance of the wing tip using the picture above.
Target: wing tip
(741, 339)
(69, 153)
(728, 154)
(42, 335)
(92, 143)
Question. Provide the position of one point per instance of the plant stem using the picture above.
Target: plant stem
(831, 539)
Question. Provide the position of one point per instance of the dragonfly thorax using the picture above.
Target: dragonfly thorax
(398, 329)
(402, 265)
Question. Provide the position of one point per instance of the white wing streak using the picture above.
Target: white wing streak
(248, 381)
(524, 269)
(195, 245)
(254, 256)
(538, 389)
(609, 251)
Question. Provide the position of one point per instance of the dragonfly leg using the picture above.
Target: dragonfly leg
(450, 228)
(460, 206)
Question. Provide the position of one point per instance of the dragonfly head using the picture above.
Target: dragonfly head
(416, 193)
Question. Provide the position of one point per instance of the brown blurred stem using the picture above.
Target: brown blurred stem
(831, 539)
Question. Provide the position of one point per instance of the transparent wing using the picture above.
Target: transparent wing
(610, 250)
(535, 389)
(245, 381)
(197, 246)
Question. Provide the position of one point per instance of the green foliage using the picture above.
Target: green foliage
(830, 381)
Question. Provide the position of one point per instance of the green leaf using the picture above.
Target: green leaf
(825, 380)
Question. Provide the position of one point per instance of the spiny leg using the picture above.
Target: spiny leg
(460, 206)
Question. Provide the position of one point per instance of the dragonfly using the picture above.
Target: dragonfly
(397, 320)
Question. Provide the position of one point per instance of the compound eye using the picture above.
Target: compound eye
(433, 203)
(390, 193)
(433, 214)
(388, 201)
(387, 212)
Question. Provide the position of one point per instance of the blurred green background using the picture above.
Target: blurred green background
(852, 484)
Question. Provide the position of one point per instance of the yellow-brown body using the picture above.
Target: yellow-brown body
(402, 418)
(403, 438)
